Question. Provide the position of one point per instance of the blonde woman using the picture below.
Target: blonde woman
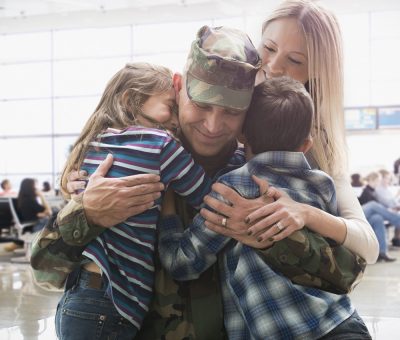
(302, 40)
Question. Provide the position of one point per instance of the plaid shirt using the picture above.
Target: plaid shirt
(258, 302)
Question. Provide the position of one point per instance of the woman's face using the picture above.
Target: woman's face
(284, 51)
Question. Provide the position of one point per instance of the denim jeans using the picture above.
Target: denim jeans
(85, 313)
(376, 215)
(351, 329)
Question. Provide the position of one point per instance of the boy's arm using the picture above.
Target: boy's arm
(186, 253)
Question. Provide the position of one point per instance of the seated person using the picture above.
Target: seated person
(384, 194)
(7, 189)
(284, 106)
(356, 181)
(376, 214)
(32, 207)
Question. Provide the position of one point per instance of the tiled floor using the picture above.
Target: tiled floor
(27, 312)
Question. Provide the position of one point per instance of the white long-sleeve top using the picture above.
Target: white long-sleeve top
(360, 237)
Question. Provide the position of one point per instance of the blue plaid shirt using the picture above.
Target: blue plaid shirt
(258, 302)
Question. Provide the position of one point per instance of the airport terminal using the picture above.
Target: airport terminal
(179, 75)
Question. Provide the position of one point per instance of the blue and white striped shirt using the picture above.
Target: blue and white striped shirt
(125, 252)
(258, 302)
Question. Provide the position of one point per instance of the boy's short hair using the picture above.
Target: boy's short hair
(280, 116)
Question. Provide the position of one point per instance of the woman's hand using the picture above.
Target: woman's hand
(255, 222)
(108, 201)
(279, 219)
(234, 224)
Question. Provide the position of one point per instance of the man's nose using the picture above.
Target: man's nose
(213, 122)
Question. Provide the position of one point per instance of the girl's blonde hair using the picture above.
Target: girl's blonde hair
(325, 74)
(119, 107)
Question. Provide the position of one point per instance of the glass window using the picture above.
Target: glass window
(25, 47)
(25, 117)
(171, 37)
(34, 155)
(84, 77)
(385, 24)
(389, 117)
(385, 65)
(385, 92)
(174, 61)
(31, 80)
(71, 114)
(62, 147)
(360, 118)
(95, 42)
(356, 59)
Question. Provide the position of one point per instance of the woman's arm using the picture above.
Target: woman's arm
(351, 228)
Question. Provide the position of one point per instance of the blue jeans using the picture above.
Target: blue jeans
(351, 329)
(85, 313)
(376, 215)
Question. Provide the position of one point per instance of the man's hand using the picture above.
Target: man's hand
(108, 201)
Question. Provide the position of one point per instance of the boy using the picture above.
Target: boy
(286, 108)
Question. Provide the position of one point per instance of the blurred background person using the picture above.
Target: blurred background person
(378, 215)
(47, 190)
(7, 189)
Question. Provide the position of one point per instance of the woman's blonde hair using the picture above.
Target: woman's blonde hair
(325, 74)
(119, 107)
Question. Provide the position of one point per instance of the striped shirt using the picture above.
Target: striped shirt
(125, 252)
(258, 302)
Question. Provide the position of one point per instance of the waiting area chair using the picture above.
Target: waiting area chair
(18, 231)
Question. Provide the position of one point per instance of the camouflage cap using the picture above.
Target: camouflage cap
(221, 68)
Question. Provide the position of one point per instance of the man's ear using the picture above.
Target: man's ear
(177, 83)
(307, 144)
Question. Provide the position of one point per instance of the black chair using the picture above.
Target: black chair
(6, 220)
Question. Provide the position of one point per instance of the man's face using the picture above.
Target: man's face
(208, 129)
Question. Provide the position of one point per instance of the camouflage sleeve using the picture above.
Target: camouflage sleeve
(308, 259)
(73, 226)
(54, 257)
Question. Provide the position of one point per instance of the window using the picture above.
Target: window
(30, 80)
(99, 42)
(71, 114)
(25, 117)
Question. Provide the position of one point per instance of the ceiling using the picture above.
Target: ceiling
(28, 8)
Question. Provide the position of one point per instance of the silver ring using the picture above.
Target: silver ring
(224, 220)
(280, 226)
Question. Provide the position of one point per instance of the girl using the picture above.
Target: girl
(112, 292)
